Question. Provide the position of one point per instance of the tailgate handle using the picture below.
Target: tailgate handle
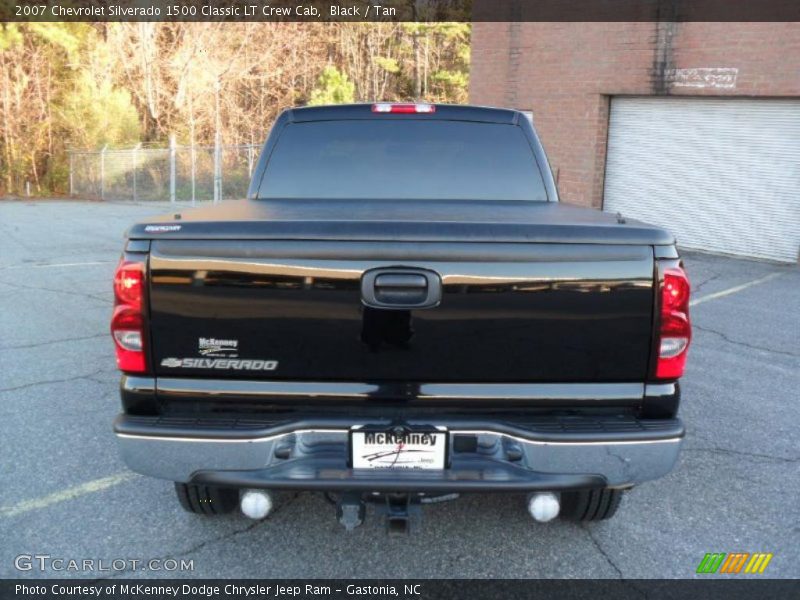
(401, 289)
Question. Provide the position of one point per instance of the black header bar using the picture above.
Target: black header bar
(399, 10)
(398, 589)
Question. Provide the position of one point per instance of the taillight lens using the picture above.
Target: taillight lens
(128, 284)
(675, 332)
(406, 108)
(127, 322)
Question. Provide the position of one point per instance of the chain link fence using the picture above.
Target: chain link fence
(176, 173)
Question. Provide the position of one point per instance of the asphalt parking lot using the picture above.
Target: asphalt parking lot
(64, 491)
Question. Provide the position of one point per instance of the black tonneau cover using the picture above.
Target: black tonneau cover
(401, 220)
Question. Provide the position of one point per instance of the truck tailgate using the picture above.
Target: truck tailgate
(293, 310)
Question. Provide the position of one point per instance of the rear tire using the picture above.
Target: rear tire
(590, 505)
(206, 500)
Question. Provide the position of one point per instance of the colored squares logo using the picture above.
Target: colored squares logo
(734, 563)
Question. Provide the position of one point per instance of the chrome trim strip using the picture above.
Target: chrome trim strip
(659, 389)
(253, 440)
(276, 389)
(138, 385)
(533, 391)
(220, 388)
(557, 443)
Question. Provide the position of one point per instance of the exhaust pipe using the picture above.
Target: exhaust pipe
(256, 504)
(544, 506)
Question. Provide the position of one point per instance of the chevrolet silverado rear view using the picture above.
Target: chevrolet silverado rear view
(401, 311)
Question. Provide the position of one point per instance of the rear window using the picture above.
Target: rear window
(402, 159)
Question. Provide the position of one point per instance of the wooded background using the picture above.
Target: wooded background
(79, 85)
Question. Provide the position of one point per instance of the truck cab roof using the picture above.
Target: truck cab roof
(442, 112)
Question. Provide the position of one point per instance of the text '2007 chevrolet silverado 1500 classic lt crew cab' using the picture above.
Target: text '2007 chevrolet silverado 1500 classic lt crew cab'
(400, 311)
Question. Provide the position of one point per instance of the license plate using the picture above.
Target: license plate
(381, 449)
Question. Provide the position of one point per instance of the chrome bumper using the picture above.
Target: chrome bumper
(314, 455)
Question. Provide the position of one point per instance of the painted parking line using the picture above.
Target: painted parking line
(735, 289)
(59, 265)
(90, 487)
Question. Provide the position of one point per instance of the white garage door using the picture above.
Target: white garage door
(722, 174)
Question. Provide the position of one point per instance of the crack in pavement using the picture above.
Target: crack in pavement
(700, 285)
(737, 288)
(602, 551)
(59, 341)
(220, 538)
(745, 344)
(114, 373)
(717, 450)
(54, 291)
(193, 549)
(65, 380)
(40, 265)
(605, 555)
(78, 413)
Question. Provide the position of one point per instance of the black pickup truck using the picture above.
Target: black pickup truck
(399, 312)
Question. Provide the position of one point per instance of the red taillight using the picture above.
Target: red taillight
(127, 322)
(387, 107)
(128, 284)
(675, 331)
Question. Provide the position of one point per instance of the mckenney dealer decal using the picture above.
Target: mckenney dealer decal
(217, 347)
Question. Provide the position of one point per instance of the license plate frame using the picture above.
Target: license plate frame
(416, 454)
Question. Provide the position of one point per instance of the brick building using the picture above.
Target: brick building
(695, 126)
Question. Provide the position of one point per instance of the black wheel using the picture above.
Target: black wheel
(590, 505)
(205, 500)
